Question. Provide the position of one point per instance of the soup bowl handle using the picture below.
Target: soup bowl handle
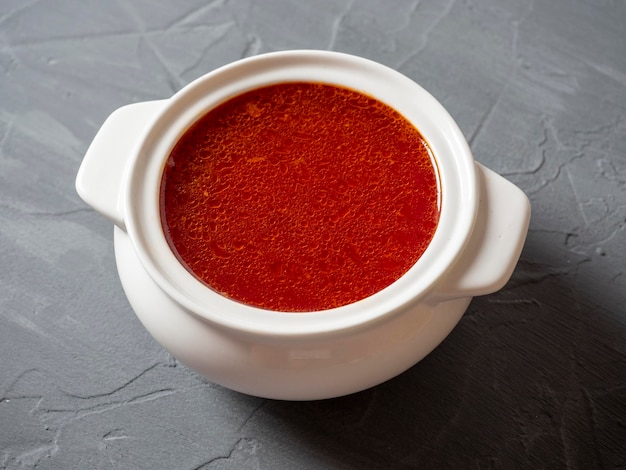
(496, 242)
(100, 178)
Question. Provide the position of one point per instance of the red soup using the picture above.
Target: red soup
(300, 197)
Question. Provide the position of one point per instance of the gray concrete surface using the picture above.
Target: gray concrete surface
(533, 377)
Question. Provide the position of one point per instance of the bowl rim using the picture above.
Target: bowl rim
(458, 180)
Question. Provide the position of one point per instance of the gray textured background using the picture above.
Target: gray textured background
(533, 377)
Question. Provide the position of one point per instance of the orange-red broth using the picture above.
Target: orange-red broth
(300, 197)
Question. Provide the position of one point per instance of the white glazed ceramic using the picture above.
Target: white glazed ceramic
(314, 355)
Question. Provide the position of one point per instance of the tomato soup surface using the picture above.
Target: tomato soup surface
(300, 197)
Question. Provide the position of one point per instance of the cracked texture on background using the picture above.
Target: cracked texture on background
(533, 377)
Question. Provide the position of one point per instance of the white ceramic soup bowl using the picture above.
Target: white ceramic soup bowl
(312, 355)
